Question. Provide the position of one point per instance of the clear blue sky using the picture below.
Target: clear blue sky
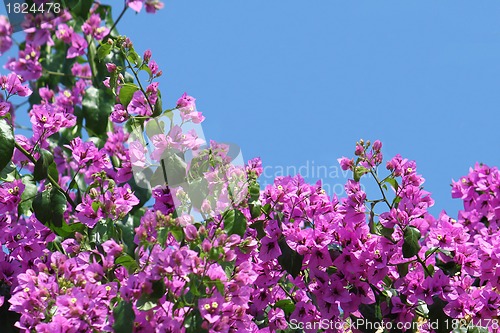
(300, 81)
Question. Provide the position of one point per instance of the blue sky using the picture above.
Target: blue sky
(299, 82)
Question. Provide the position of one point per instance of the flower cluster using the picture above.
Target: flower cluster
(69, 292)
(5, 35)
(116, 215)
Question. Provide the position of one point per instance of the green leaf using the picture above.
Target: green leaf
(359, 171)
(127, 91)
(287, 305)
(372, 315)
(235, 222)
(80, 8)
(267, 209)
(396, 201)
(42, 165)
(198, 191)
(97, 105)
(403, 268)
(220, 286)
(53, 173)
(437, 317)
(155, 127)
(411, 244)
(172, 170)
(259, 226)
(134, 58)
(6, 143)
(450, 268)
(480, 329)
(49, 207)
(178, 234)
(158, 106)
(42, 208)
(58, 204)
(193, 322)
(127, 227)
(228, 268)
(142, 193)
(393, 182)
(146, 68)
(127, 261)
(386, 232)
(144, 304)
(124, 317)
(68, 230)
(445, 252)
(29, 193)
(8, 173)
(289, 259)
(54, 62)
(159, 289)
(103, 51)
(255, 210)
(254, 191)
(430, 268)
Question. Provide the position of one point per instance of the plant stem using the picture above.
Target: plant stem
(424, 265)
(140, 84)
(64, 74)
(287, 292)
(91, 58)
(49, 177)
(380, 187)
(371, 222)
(125, 7)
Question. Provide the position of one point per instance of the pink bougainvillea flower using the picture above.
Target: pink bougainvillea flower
(211, 308)
(135, 4)
(78, 46)
(119, 114)
(13, 85)
(186, 101)
(153, 5)
(5, 34)
(92, 27)
(82, 152)
(64, 33)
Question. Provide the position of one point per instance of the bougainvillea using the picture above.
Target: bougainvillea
(116, 217)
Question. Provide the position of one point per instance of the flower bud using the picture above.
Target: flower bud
(377, 145)
(78, 237)
(190, 232)
(110, 67)
(230, 255)
(147, 56)
(205, 245)
(202, 230)
(359, 150)
(94, 193)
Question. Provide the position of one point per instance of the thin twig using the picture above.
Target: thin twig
(64, 74)
(125, 7)
(380, 187)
